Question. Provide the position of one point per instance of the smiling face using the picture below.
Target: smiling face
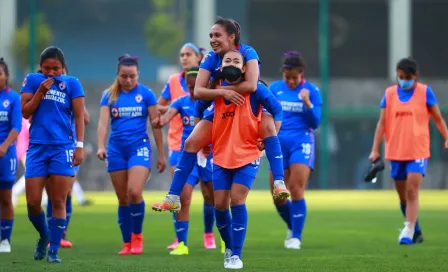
(220, 41)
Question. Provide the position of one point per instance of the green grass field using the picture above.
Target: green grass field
(345, 231)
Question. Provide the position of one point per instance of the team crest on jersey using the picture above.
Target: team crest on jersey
(205, 58)
(62, 85)
(6, 103)
(138, 98)
(24, 83)
(114, 112)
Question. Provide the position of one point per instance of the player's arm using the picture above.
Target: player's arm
(379, 134)
(78, 110)
(201, 92)
(166, 118)
(158, 137)
(164, 99)
(86, 116)
(31, 100)
(199, 107)
(440, 122)
(271, 104)
(313, 108)
(251, 76)
(16, 127)
(103, 122)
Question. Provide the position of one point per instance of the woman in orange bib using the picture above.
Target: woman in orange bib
(404, 123)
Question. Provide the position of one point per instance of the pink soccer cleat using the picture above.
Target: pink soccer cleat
(173, 245)
(209, 240)
(126, 250)
(136, 244)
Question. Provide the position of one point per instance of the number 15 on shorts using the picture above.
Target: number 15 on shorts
(69, 155)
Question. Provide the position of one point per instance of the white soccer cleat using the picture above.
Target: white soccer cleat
(406, 235)
(5, 247)
(293, 243)
(288, 237)
(227, 255)
(235, 263)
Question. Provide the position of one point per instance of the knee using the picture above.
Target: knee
(267, 126)
(185, 201)
(297, 190)
(221, 206)
(411, 193)
(191, 145)
(34, 208)
(58, 204)
(237, 199)
(134, 195)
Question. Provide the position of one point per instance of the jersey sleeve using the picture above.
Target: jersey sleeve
(105, 99)
(251, 54)
(315, 97)
(76, 89)
(166, 92)
(209, 62)
(151, 99)
(383, 102)
(265, 97)
(16, 109)
(431, 99)
(28, 85)
(177, 104)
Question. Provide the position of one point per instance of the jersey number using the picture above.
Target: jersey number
(69, 155)
(306, 149)
(13, 163)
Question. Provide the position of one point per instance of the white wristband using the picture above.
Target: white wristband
(79, 145)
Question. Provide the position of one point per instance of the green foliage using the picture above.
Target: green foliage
(21, 44)
(163, 30)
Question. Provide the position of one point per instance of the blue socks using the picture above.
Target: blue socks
(403, 210)
(6, 229)
(68, 210)
(239, 227)
(137, 216)
(275, 156)
(298, 216)
(182, 231)
(285, 212)
(209, 218)
(224, 224)
(125, 223)
(174, 222)
(40, 224)
(184, 168)
(49, 212)
(57, 228)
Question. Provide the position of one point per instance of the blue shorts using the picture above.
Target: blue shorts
(76, 168)
(245, 175)
(43, 160)
(8, 168)
(209, 116)
(173, 157)
(202, 173)
(123, 157)
(298, 148)
(400, 169)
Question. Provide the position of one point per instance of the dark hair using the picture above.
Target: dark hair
(125, 60)
(5, 68)
(231, 26)
(192, 71)
(52, 52)
(408, 65)
(293, 60)
(66, 70)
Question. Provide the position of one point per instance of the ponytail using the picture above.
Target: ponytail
(114, 91)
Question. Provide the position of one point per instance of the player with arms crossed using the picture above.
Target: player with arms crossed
(404, 123)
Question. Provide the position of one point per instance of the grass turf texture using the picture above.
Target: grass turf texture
(345, 231)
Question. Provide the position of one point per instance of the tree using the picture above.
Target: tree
(164, 29)
(21, 44)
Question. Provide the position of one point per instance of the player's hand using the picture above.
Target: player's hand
(305, 96)
(78, 156)
(260, 144)
(206, 151)
(101, 153)
(3, 150)
(375, 155)
(157, 122)
(446, 144)
(161, 164)
(45, 85)
(234, 97)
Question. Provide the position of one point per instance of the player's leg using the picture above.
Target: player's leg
(36, 173)
(198, 139)
(78, 192)
(208, 209)
(274, 154)
(183, 217)
(19, 187)
(222, 183)
(8, 170)
(65, 243)
(415, 171)
(283, 206)
(173, 158)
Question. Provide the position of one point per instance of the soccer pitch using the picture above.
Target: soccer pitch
(345, 231)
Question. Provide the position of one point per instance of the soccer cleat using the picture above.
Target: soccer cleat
(5, 247)
(53, 257)
(293, 243)
(288, 237)
(170, 203)
(280, 191)
(227, 255)
(173, 245)
(65, 243)
(223, 246)
(235, 263)
(126, 250)
(136, 244)
(180, 250)
(41, 248)
(418, 237)
(406, 235)
(209, 240)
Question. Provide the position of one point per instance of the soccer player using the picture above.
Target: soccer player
(128, 104)
(234, 169)
(23, 141)
(406, 108)
(189, 56)
(225, 37)
(301, 103)
(52, 98)
(65, 243)
(10, 126)
(184, 106)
